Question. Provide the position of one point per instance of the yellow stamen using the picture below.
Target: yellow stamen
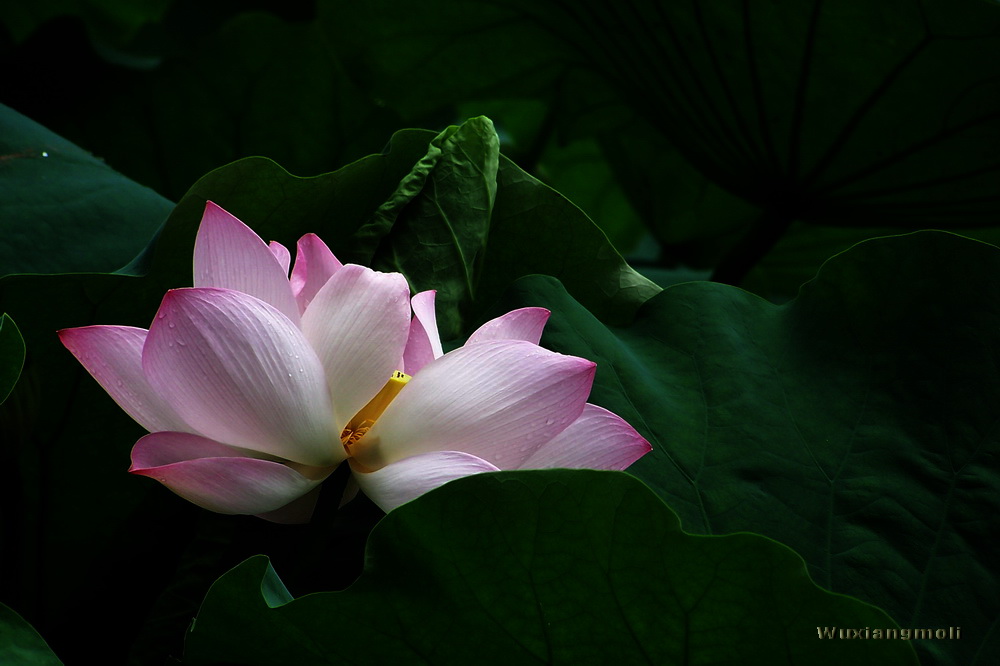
(362, 422)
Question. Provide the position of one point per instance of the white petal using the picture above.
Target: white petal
(282, 254)
(498, 400)
(409, 478)
(358, 323)
(230, 255)
(424, 343)
(239, 372)
(314, 265)
(522, 324)
(113, 356)
(598, 439)
(218, 478)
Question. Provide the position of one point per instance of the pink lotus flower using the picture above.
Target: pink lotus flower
(255, 385)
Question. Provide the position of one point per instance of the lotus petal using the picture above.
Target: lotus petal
(282, 254)
(498, 400)
(358, 323)
(217, 477)
(522, 324)
(598, 439)
(314, 265)
(411, 477)
(239, 372)
(113, 356)
(229, 255)
(424, 343)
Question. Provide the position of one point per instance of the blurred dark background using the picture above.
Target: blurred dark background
(752, 139)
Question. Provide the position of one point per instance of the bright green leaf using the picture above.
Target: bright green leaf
(857, 423)
(433, 228)
(560, 566)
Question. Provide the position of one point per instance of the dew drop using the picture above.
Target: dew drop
(171, 324)
(181, 343)
(45, 154)
(161, 315)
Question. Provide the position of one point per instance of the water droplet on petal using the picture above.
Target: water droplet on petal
(161, 315)
(181, 343)
(171, 324)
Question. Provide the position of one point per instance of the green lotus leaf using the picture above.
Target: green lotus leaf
(20, 643)
(65, 210)
(854, 424)
(558, 566)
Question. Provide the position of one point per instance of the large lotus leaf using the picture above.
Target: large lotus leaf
(559, 566)
(84, 527)
(856, 112)
(20, 644)
(65, 210)
(695, 221)
(856, 423)
(797, 257)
